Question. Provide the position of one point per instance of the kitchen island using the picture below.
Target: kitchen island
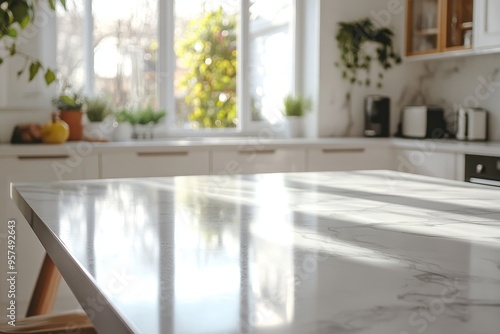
(322, 252)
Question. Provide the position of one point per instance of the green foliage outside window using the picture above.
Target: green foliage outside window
(209, 53)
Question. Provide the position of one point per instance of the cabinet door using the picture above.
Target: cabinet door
(259, 160)
(486, 24)
(438, 26)
(342, 159)
(458, 24)
(29, 251)
(437, 164)
(154, 163)
(423, 26)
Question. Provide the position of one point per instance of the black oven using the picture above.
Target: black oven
(482, 169)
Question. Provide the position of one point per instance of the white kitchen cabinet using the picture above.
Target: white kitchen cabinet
(427, 162)
(486, 24)
(29, 251)
(460, 167)
(158, 163)
(350, 158)
(257, 160)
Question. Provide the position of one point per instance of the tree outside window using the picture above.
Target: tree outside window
(209, 56)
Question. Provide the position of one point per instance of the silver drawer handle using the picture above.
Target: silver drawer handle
(343, 150)
(42, 157)
(162, 154)
(257, 151)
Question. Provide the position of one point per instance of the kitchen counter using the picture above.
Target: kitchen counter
(335, 252)
(448, 145)
(202, 143)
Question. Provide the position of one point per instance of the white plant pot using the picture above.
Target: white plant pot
(295, 126)
(123, 132)
(98, 131)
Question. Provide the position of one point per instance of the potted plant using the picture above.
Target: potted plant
(147, 119)
(294, 109)
(361, 44)
(70, 106)
(123, 125)
(97, 110)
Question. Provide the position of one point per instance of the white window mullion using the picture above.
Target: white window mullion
(297, 24)
(243, 86)
(166, 55)
(88, 40)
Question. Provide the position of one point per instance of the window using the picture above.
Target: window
(206, 63)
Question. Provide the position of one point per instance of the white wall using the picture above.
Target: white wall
(9, 119)
(17, 94)
(471, 82)
(332, 115)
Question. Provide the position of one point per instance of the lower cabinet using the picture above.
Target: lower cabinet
(429, 163)
(29, 251)
(258, 160)
(154, 163)
(343, 159)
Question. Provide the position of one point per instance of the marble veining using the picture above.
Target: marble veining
(343, 252)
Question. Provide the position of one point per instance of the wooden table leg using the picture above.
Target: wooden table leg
(44, 295)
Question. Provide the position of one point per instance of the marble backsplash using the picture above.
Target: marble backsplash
(451, 83)
(466, 82)
(462, 82)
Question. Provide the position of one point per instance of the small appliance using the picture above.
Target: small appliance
(423, 122)
(482, 169)
(377, 116)
(472, 124)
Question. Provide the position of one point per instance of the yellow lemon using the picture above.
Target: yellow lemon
(55, 132)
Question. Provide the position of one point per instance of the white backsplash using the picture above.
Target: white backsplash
(9, 119)
(470, 82)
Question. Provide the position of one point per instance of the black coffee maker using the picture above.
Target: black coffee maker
(377, 116)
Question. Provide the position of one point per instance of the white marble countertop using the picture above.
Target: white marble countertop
(204, 143)
(336, 252)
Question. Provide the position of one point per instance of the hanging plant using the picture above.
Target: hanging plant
(15, 16)
(352, 40)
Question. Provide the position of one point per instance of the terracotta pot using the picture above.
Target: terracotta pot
(74, 120)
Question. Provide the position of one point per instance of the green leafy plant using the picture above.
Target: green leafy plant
(96, 109)
(209, 54)
(352, 40)
(149, 115)
(68, 100)
(296, 105)
(123, 116)
(15, 16)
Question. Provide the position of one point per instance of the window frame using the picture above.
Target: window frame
(166, 65)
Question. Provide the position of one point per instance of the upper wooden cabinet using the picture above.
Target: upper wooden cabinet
(434, 26)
